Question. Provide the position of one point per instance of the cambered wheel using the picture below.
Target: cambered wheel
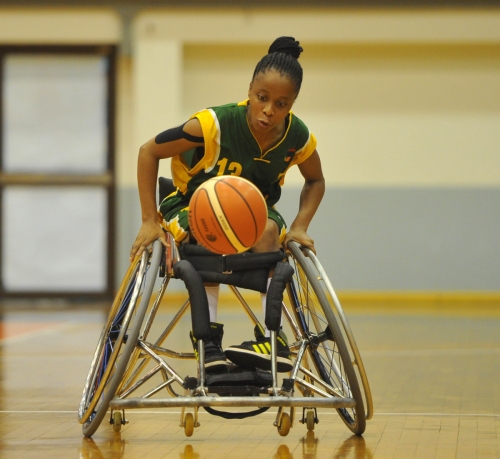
(329, 367)
(118, 338)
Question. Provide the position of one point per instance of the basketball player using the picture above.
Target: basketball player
(258, 139)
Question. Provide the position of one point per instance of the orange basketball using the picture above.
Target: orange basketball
(227, 214)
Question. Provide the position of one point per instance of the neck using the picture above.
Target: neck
(268, 139)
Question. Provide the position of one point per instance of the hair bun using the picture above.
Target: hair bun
(286, 45)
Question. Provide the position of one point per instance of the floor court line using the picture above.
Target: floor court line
(44, 329)
(427, 352)
(483, 415)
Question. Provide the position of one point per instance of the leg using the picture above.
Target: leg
(269, 241)
(257, 354)
(175, 213)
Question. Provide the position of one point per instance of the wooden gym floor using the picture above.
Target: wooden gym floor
(435, 379)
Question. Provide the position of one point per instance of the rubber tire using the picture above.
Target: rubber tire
(117, 421)
(284, 425)
(188, 424)
(310, 420)
(356, 424)
(89, 427)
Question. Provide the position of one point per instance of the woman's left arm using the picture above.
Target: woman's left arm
(310, 198)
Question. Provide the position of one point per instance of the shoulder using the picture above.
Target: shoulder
(233, 110)
(220, 113)
(298, 129)
(297, 123)
(305, 141)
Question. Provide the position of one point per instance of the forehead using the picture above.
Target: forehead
(275, 83)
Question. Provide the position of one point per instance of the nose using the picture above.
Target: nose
(268, 109)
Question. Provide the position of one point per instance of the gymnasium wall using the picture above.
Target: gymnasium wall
(406, 108)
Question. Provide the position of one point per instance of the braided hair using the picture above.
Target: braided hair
(282, 57)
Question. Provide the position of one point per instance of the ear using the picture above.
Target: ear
(250, 88)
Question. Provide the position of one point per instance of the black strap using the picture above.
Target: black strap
(204, 260)
(228, 415)
(246, 270)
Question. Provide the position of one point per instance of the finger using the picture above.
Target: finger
(286, 241)
(310, 244)
(136, 251)
(163, 240)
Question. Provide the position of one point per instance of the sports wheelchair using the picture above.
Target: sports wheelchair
(134, 355)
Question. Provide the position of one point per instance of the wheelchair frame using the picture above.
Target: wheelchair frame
(325, 354)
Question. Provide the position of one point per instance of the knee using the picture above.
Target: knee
(269, 241)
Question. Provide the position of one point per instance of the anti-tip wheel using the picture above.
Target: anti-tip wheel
(117, 421)
(310, 421)
(284, 425)
(189, 424)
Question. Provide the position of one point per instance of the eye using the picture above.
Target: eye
(261, 97)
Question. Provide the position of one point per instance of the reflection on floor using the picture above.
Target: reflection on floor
(434, 379)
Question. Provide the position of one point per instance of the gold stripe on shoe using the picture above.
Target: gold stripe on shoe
(257, 348)
(263, 348)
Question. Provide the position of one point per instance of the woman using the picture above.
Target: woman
(258, 139)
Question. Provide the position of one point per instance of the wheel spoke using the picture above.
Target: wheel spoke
(331, 366)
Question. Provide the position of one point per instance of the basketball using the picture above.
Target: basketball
(227, 214)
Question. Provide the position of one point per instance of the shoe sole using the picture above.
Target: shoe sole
(251, 360)
(218, 364)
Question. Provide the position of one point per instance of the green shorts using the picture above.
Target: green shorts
(174, 209)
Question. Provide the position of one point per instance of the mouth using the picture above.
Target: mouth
(263, 123)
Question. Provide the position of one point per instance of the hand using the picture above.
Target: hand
(301, 237)
(149, 232)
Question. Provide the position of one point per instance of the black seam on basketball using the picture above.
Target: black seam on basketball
(218, 222)
(191, 220)
(251, 213)
(195, 221)
(206, 242)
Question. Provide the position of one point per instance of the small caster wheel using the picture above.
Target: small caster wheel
(310, 421)
(284, 425)
(117, 421)
(189, 424)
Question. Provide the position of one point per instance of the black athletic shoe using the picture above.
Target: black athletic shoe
(214, 357)
(257, 354)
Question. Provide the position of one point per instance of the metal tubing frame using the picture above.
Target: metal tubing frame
(164, 364)
(130, 378)
(263, 401)
(199, 397)
(141, 381)
(274, 359)
(243, 303)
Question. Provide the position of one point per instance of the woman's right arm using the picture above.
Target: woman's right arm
(167, 145)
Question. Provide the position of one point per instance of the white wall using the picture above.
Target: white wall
(395, 98)
(406, 102)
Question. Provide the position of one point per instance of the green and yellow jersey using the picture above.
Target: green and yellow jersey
(231, 149)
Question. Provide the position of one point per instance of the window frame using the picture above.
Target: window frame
(106, 180)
